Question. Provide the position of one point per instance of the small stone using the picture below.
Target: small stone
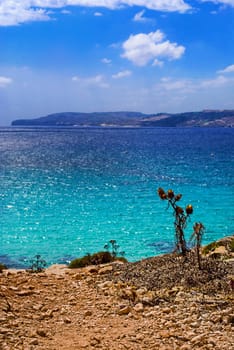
(124, 310)
(88, 313)
(164, 334)
(78, 276)
(66, 320)
(185, 347)
(198, 338)
(49, 313)
(41, 333)
(139, 337)
(34, 342)
(105, 269)
(83, 344)
(15, 289)
(24, 293)
(139, 307)
(5, 307)
(4, 330)
(105, 285)
(95, 341)
(91, 269)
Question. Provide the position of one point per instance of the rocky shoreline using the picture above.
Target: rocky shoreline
(151, 304)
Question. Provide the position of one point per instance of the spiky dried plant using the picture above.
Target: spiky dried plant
(181, 217)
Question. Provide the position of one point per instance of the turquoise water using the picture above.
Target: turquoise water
(66, 192)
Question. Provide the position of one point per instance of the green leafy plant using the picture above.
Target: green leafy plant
(181, 217)
(37, 264)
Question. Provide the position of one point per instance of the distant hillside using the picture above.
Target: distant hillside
(206, 118)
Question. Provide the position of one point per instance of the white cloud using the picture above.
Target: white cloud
(4, 81)
(183, 86)
(186, 86)
(158, 5)
(106, 61)
(157, 63)
(222, 2)
(122, 74)
(139, 17)
(143, 48)
(228, 69)
(215, 82)
(66, 12)
(97, 80)
(14, 12)
(98, 14)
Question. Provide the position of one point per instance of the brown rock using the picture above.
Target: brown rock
(88, 313)
(139, 307)
(124, 310)
(105, 269)
(41, 333)
(34, 342)
(24, 293)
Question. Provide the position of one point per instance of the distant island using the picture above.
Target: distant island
(205, 118)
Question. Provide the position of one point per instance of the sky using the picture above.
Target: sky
(149, 56)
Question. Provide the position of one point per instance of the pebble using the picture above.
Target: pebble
(138, 307)
(41, 333)
(105, 269)
(124, 310)
(34, 342)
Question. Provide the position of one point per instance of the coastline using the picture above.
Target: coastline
(108, 307)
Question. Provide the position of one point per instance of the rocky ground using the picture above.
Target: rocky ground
(152, 304)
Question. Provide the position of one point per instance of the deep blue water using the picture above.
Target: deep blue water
(66, 192)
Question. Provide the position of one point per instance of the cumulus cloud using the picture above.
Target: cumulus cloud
(122, 74)
(228, 69)
(14, 12)
(4, 81)
(143, 48)
(97, 80)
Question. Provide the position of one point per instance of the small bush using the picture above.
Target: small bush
(37, 264)
(94, 259)
(80, 262)
(101, 258)
(121, 259)
(2, 267)
(210, 247)
(231, 246)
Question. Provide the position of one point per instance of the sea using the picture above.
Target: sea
(65, 192)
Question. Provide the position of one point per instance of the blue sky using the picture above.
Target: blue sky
(107, 55)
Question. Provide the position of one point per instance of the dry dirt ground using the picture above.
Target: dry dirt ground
(153, 304)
